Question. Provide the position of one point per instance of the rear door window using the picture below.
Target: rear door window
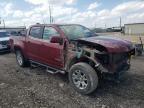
(36, 32)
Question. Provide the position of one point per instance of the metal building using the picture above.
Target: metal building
(134, 29)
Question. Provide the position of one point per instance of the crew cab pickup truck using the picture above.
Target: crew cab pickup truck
(72, 49)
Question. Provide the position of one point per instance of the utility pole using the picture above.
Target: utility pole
(95, 25)
(52, 19)
(4, 23)
(120, 22)
(0, 20)
(50, 14)
(105, 26)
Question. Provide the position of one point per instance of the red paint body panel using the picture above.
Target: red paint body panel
(18, 41)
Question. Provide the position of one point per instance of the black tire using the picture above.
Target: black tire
(21, 61)
(90, 74)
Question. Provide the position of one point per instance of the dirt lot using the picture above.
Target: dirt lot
(34, 88)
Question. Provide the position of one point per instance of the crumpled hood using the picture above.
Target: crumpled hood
(4, 38)
(112, 44)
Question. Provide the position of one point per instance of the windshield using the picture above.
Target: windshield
(4, 34)
(76, 31)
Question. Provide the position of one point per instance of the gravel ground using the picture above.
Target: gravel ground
(35, 88)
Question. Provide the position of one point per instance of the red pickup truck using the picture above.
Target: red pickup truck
(72, 49)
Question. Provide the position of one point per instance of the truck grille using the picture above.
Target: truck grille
(116, 58)
(4, 42)
(103, 58)
(112, 58)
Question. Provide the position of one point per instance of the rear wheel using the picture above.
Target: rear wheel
(20, 58)
(83, 78)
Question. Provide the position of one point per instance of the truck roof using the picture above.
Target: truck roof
(53, 24)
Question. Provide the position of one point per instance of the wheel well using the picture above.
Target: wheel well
(85, 60)
(16, 48)
(82, 59)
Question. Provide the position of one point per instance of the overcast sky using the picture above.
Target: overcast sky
(91, 13)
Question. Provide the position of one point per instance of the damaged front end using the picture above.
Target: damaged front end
(100, 58)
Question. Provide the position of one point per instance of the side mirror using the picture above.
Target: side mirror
(57, 39)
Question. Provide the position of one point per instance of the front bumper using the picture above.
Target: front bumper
(118, 73)
(118, 64)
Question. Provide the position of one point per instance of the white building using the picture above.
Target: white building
(134, 29)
